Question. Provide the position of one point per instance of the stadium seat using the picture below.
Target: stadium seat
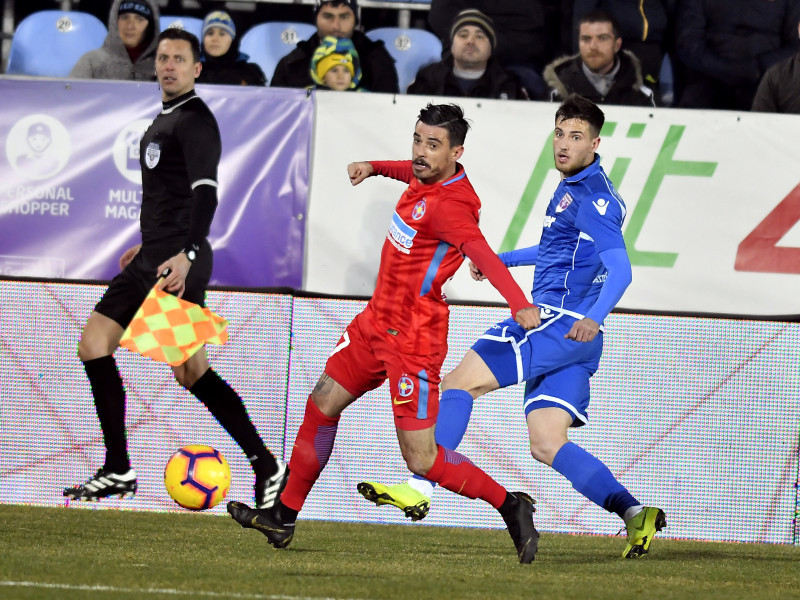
(48, 43)
(267, 43)
(410, 48)
(190, 24)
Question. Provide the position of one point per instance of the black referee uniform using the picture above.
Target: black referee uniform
(179, 155)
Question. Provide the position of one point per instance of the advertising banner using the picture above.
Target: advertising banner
(70, 180)
(713, 198)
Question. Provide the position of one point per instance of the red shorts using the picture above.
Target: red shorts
(366, 356)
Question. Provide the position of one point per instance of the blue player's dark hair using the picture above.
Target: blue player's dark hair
(175, 33)
(448, 116)
(576, 106)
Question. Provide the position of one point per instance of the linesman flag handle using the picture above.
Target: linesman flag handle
(170, 330)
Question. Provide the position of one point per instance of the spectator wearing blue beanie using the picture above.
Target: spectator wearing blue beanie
(222, 60)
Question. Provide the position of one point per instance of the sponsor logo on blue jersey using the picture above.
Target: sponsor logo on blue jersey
(548, 221)
(419, 210)
(401, 235)
(601, 204)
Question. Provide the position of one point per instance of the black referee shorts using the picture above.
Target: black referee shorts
(127, 291)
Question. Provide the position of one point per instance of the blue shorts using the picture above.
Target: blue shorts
(556, 370)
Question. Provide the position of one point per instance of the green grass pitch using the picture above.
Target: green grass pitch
(84, 554)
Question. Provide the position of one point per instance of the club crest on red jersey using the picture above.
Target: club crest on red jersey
(419, 210)
(566, 200)
(405, 386)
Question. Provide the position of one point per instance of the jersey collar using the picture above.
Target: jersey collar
(591, 169)
(168, 107)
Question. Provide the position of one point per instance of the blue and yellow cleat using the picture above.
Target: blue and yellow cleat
(641, 530)
(414, 504)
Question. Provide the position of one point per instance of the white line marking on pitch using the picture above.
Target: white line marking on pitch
(173, 592)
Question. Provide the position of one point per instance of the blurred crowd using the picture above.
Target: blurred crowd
(718, 54)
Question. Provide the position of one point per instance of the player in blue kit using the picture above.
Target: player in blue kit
(582, 270)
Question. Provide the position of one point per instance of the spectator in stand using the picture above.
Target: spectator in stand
(221, 58)
(338, 18)
(336, 66)
(530, 33)
(601, 72)
(645, 25)
(779, 90)
(129, 49)
(468, 69)
(727, 45)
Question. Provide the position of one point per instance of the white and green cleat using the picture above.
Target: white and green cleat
(641, 529)
(413, 503)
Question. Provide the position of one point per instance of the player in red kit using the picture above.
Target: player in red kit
(402, 334)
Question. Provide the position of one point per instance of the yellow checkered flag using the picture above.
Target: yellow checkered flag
(171, 330)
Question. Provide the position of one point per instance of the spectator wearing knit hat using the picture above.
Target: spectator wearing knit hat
(530, 33)
(336, 66)
(338, 18)
(222, 60)
(129, 49)
(468, 69)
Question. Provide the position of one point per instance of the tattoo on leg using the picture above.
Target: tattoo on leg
(324, 384)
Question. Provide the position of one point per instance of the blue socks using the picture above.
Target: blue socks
(455, 409)
(592, 478)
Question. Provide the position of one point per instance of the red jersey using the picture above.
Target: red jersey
(423, 249)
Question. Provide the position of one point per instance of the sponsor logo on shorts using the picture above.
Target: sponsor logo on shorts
(396, 401)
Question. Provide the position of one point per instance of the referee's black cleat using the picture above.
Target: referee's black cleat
(265, 520)
(103, 484)
(267, 491)
(520, 525)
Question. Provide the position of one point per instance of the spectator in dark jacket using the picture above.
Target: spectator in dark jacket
(221, 58)
(779, 90)
(530, 33)
(338, 18)
(469, 69)
(727, 45)
(645, 25)
(602, 71)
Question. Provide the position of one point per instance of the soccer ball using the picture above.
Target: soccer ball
(197, 477)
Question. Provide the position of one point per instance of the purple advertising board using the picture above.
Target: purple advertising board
(70, 181)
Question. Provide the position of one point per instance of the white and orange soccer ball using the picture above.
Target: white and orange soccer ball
(197, 477)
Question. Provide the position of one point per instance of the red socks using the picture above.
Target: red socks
(312, 449)
(456, 472)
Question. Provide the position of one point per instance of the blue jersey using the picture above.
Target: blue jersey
(583, 219)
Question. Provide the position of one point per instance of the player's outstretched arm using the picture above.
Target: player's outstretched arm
(521, 257)
(489, 265)
(359, 171)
